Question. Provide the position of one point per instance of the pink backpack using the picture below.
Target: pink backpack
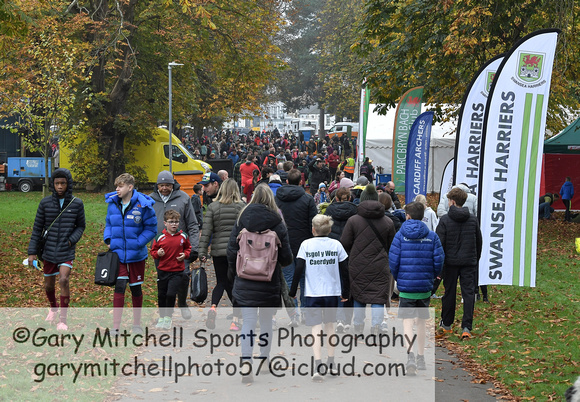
(258, 255)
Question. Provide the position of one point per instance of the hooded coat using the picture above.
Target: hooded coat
(368, 260)
(179, 201)
(567, 190)
(128, 233)
(219, 221)
(470, 203)
(67, 229)
(460, 236)
(298, 209)
(416, 257)
(248, 293)
(340, 212)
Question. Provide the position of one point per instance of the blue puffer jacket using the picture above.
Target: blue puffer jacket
(567, 190)
(129, 233)
(415, 257)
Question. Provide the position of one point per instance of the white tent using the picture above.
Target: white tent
(379, 145)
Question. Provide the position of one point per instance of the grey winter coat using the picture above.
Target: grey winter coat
(180, 202)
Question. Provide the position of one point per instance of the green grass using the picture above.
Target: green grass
(16, 220)
(528, 338)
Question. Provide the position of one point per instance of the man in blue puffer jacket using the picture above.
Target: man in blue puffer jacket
(415, 258)
(131, 224)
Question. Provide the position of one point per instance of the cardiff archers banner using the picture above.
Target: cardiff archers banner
(470, 126)
(417, 160)
(514, 124)
(408, 109)
(365, 98)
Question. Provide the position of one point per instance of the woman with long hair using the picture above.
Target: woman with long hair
(259, 299)
(334, 185)
(218, 222)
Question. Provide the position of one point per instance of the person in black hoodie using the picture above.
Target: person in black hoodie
(298, 209)
(320, 174)
(387, 201)
(63, 216)
(461, 240)
(264, 297)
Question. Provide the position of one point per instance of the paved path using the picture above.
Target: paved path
(445, 379)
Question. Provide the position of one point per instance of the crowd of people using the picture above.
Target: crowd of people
(380, 249)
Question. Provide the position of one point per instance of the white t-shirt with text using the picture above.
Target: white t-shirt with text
(322, 256)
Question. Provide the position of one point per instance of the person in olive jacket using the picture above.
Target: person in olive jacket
(370, 277)
(63, 234)
(219, 220)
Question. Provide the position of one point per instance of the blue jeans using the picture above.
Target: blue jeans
(250, 316)
(377, 313)
(344, 312)
(545, 210)
(288, 272)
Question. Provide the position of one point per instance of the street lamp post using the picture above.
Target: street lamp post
(170, 122)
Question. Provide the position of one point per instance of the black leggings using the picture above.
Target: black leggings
(567, 215)
(220, 265)
(168, 284)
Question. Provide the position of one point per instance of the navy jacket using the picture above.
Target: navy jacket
(298, 209)
(415, 257)
(460, 237)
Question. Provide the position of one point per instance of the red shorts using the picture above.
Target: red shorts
(133, 271)
(52, 269)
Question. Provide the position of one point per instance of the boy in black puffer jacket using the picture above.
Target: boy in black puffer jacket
(461, 239)
(64, 218)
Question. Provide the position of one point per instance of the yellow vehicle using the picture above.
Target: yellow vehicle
(154, 156)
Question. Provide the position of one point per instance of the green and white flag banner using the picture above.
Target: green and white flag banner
(408, 109)
(513, 138)
(470, 126)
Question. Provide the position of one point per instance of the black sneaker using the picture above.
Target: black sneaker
(421, 362)
(485, 299)
(210, 321)
(411, 365)
(339, 327)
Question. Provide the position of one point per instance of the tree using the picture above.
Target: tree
(442, 44)
(340, 66)
(226, 48)
(41, 88)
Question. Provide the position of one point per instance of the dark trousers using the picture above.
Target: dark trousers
(567, 215)
(168, 284)
(220, 265)
(184, 286)
(467, 281)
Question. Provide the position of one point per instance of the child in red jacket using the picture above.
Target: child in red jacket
(171, 248)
